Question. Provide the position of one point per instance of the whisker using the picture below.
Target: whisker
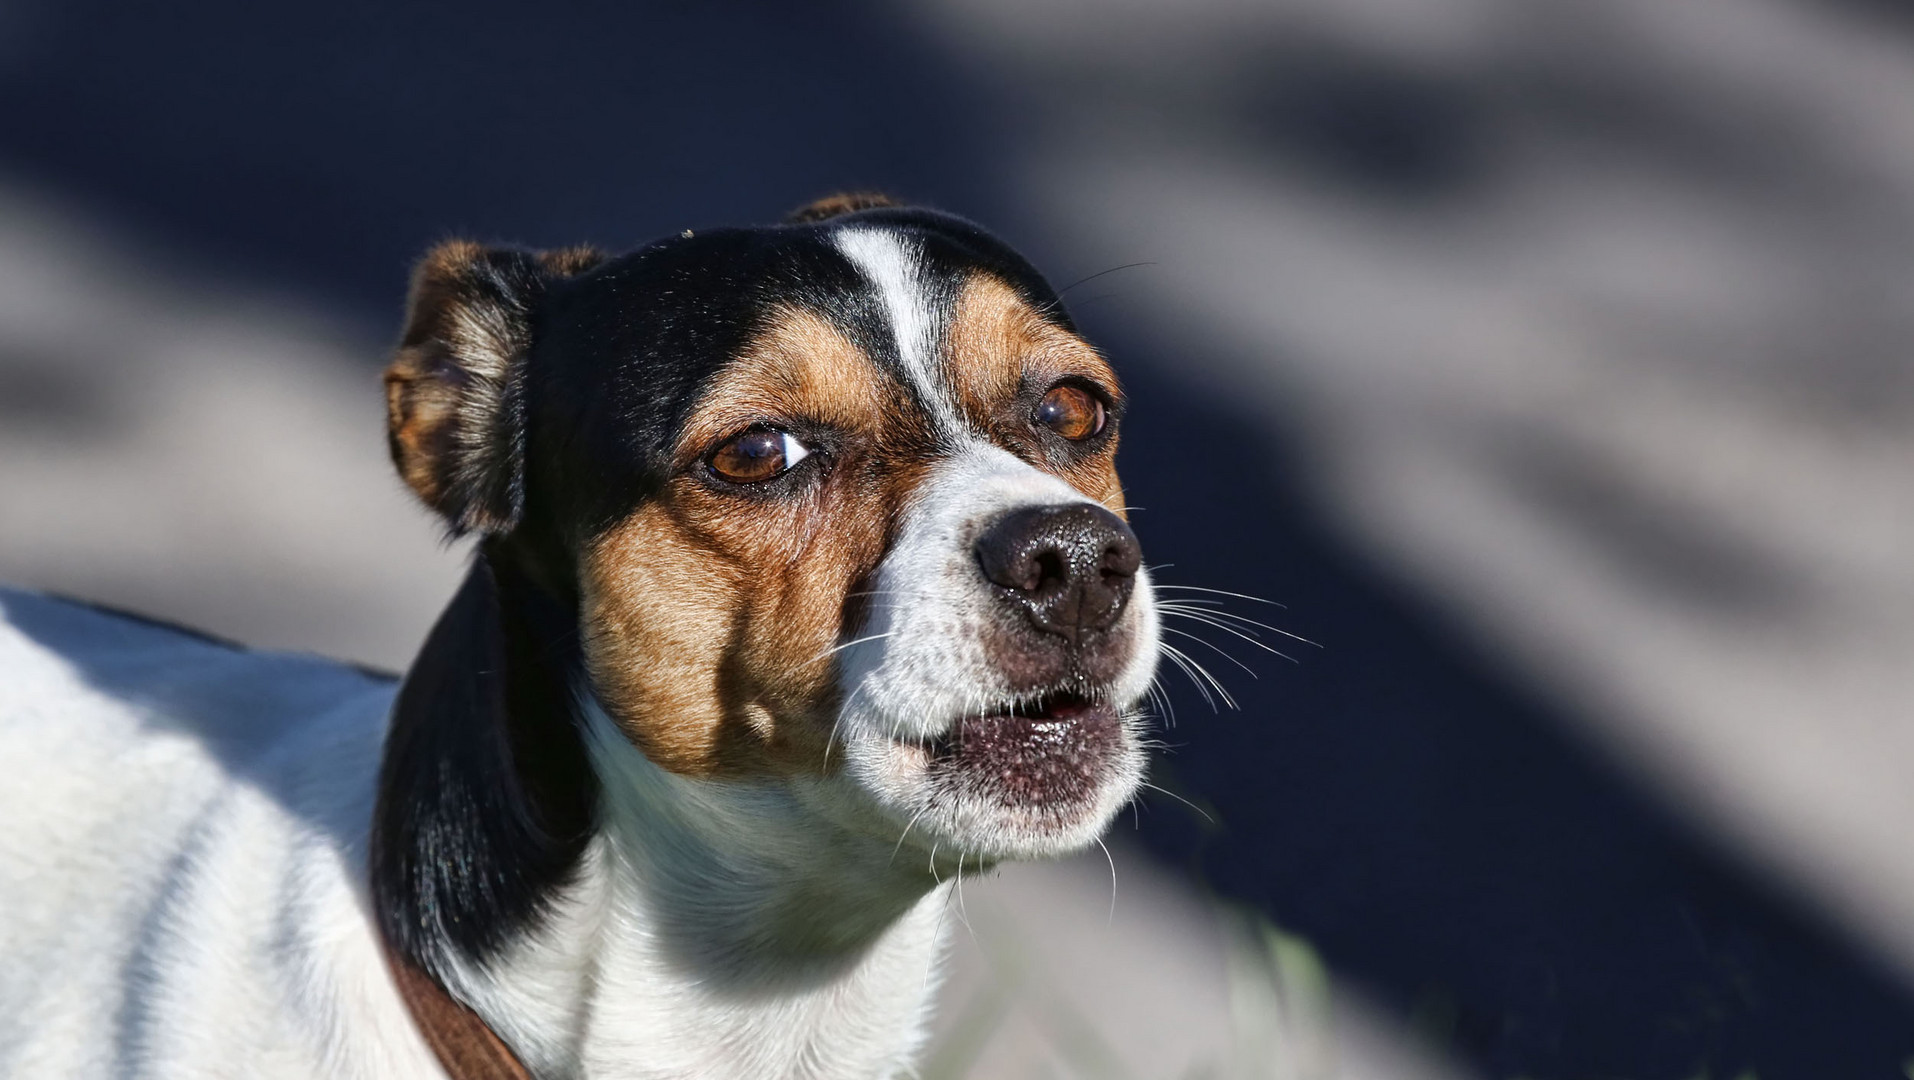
(858, 641)
(1186, 659)
(1179, 798)
(837, 723)
(1213, 647)
(1103, 273)
(1196, 673)
(1180, 607)
(1193, 602)
(888, 592)
(1175, 656)
(906, 832)
(1218, 592)
(1160, 700)
(1111, 921)
(1227, 629)
(963, 913)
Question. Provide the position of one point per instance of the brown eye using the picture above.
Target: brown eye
(756, 455)
(1071, 412)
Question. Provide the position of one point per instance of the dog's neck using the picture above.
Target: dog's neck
(607, 917)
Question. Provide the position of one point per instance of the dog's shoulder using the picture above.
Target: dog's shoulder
(58, 656)
(128, 706)
(171, 798)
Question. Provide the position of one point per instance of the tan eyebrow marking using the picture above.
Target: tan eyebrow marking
(799, 367)
(997, 343)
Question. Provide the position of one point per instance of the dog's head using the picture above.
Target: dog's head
(835, 501)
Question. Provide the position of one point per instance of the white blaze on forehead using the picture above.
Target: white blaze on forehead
(892, 264)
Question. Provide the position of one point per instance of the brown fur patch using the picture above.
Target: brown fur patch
(419, 411)
(1001, 349)
(571, 261)
(468, 324)
(846, 202)
(710, 615)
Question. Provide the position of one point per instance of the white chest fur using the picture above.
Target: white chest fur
(649, 1016)
(721, 930)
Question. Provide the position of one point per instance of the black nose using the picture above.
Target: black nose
(1069, 567)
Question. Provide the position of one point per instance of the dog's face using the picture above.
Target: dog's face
(836, 499)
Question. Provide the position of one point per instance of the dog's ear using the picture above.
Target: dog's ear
(454, 405)
(847, 202)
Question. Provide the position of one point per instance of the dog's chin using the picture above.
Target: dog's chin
(1038, 779)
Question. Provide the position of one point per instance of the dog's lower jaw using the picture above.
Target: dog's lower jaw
(719, 929)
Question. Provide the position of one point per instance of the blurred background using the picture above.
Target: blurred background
(1548, 364)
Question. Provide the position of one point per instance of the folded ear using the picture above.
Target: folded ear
(847, 202)
(454, 392)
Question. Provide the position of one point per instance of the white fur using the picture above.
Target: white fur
(182, 884)
(681, 951)
(889, 261)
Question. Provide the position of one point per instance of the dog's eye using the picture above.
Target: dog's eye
(1071, 412)
(758, 454)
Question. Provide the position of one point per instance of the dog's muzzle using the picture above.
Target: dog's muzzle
(989, 698)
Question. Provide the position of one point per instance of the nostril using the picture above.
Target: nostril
(1121, 560)
(1050, 569)
(1024, 563)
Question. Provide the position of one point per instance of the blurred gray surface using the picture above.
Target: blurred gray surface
(199, 450)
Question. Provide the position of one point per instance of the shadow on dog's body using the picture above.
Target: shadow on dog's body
(183, 889)
(802, 587)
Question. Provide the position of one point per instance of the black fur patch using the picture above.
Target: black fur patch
(485, 794)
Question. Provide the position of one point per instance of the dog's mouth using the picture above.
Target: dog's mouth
(1055, 751)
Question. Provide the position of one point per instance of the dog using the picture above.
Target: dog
(802, 585)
